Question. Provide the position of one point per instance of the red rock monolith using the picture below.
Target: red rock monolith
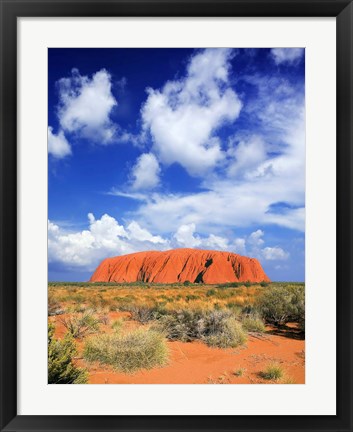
(180, 265)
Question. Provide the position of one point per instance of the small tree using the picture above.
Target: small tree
(61, 369)
(279, 305)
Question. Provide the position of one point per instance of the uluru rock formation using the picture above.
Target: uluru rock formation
(180, 265)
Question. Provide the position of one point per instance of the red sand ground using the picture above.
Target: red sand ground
(180, 265)
(196, 363)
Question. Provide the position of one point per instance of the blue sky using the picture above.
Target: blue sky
(153, 149)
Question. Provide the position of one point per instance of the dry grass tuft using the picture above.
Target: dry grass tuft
(139, 349)
(272, 372)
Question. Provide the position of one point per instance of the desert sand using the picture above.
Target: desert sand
(196, 363)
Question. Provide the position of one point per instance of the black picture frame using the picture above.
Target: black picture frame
(10, 10)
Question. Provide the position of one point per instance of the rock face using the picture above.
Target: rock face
(180, 265)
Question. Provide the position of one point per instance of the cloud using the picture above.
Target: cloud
(184, 116)
(287, 55)
(145, 172)
(261, 169)
(240, 246)
(185, 236)
(226, 204)
(58, 145)
(254, 245)
(255, 239)
(274, 253)
(216, 242)
(245, 156)
(104, 237)
(143, 235)
(85, 105)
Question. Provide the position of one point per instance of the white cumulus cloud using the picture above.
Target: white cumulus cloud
(274, 253)
(105, 237)
(246, 156)
(136, 232)
(264, 169)
(85, 105)
(184, 116)
(185, 237)
(145, 172)
(287, 55)
(239, 246)
(255, 238)
(58, 146)
(254, 245)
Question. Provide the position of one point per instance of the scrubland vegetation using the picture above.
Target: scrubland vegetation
(61, 369)
(220, 316)
(138, 349)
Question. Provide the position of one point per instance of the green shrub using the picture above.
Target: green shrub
(144, 314)
(191, 297)
(223, 293)
(229, 285)
(76, 298)
(81, 325)
(54, 307)
(215, 328)
(187, 283)
(123, 303)
(167, 299)
(140, 349)
(249, 309)
(281, 304)
(229, 334)
(180, 325)
(235, 308)
(272, 372)
(211, 292)
(252, 323)
(61, 369)
(76, 308)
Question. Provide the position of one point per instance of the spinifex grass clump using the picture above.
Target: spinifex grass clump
(239, 372)
(61, 369)
(215, 328)
(183, 325)
(117, 325)
(229, 334)
(253, 323)
(144, 313)
(139, 349)
(273, 372)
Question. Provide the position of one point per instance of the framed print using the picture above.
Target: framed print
(176, 215)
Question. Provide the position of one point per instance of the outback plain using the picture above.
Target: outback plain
(180, 333)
